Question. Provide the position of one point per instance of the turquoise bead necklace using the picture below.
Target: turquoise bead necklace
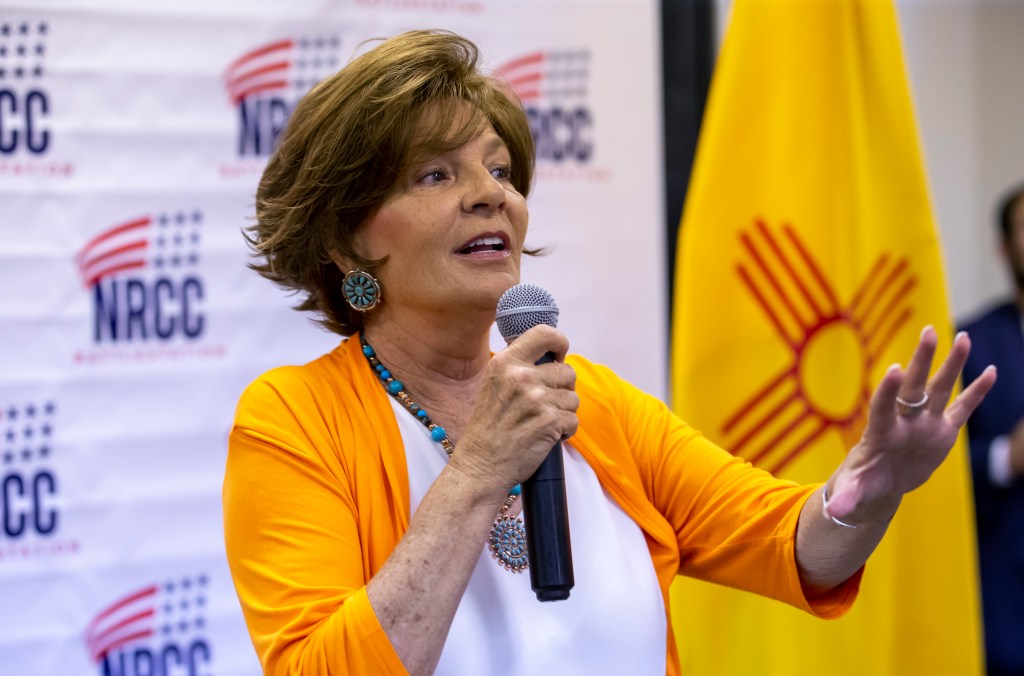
(507, 539)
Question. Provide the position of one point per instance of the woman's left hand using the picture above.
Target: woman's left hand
(909, 432)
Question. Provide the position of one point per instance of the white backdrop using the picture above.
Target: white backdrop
(132, 136)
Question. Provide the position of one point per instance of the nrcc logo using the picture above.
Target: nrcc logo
(265, 83)
(147, 294)
(156, 630)
(26, 137)
(30, 509)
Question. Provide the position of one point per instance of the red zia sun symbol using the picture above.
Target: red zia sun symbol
(830, 343)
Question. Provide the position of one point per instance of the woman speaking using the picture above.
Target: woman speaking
(371, 498)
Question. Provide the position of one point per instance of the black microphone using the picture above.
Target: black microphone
(545, 513)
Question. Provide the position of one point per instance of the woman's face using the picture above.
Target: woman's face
(453, 230)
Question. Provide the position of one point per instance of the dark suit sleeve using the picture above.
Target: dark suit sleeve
(996, 338)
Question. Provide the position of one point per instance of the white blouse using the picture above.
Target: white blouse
(614, 619)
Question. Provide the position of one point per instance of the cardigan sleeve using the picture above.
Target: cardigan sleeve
(294, 537)
(734, 524)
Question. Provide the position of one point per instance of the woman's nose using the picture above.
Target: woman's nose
(483, 191)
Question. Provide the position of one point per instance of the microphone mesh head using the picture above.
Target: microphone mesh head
(522, 307)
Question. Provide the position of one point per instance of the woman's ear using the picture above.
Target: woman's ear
(343, 263)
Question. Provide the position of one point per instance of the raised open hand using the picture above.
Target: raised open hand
(909, 432)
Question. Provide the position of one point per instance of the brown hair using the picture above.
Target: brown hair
(348, 142)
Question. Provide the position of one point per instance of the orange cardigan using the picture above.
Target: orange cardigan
(316, 497)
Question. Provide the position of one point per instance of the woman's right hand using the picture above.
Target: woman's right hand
(523, 410)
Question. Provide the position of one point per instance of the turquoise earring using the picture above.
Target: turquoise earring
(361, 290)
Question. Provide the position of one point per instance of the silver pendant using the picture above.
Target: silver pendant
(508, 543)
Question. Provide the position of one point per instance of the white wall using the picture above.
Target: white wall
(965, 61)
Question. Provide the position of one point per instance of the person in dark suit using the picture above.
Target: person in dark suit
(996, 431)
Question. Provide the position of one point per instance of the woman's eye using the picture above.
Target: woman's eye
(434, 176)
(502, 173)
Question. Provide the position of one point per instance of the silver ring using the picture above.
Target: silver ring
(910, 408)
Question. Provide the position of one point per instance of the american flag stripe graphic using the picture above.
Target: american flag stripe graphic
(126, 620)
(262, 69)
(122, 247)
(524, 75)
(548, 74)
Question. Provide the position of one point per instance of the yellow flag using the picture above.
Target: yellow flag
(808, 263)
